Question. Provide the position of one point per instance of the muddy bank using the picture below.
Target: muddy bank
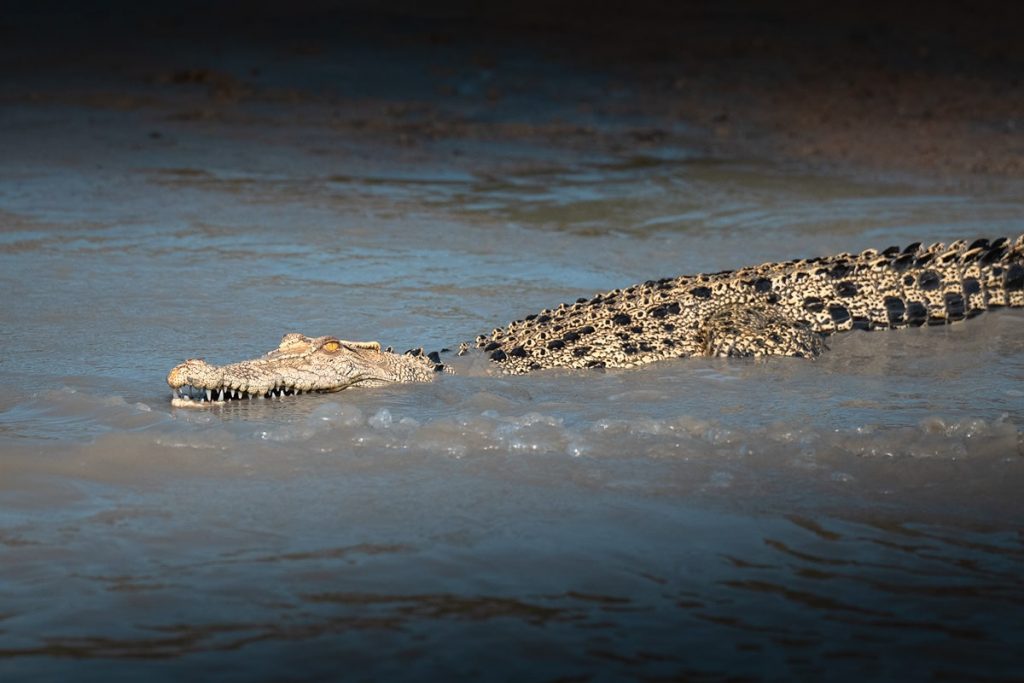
(925, 88)
(920, 89)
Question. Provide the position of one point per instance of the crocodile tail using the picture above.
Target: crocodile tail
(1003, 268)
(932, 285)
(1017, 279)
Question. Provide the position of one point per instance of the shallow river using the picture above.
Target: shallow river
(855, 517)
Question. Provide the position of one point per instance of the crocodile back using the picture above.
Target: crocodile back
(665, 318)
(896, 287)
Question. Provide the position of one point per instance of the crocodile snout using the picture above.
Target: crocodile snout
(195, 371)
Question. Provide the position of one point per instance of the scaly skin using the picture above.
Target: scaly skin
(772, 309)
(784, 309)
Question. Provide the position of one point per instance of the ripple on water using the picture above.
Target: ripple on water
(692, 520)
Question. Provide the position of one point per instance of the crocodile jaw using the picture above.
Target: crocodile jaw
(299, 365)
(196, 383)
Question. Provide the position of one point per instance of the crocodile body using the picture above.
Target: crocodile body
(782, 309)
(692, 315)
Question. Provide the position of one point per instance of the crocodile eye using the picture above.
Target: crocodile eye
(331, 346)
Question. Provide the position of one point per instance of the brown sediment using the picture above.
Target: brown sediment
(874, 87)
(918, 87)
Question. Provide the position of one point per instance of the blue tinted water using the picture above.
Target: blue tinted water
(854, 517)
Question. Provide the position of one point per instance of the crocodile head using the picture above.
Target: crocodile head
(300, 364)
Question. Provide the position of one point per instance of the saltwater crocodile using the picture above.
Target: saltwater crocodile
(775, 309)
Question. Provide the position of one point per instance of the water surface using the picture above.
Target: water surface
(854, 517)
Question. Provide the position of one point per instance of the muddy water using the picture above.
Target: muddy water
(859, 516)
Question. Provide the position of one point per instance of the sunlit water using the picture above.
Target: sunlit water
(859, 516)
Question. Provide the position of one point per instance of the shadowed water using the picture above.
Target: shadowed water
(856, 517)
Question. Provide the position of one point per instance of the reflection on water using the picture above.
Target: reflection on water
(854, 517)
(484, 570)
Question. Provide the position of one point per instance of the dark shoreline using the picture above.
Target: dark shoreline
(932, 91)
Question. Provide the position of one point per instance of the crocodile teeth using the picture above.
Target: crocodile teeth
(225, 393)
